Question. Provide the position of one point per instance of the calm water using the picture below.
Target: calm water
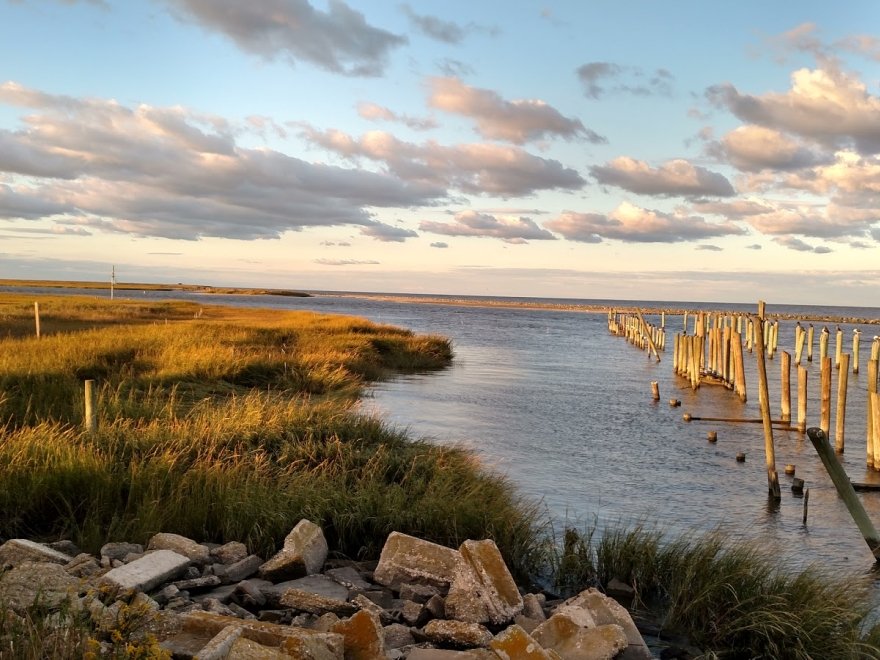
(563, 408)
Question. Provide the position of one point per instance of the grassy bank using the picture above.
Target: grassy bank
(232, 424)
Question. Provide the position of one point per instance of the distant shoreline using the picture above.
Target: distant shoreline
(421, 299)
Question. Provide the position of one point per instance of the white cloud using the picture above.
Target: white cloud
(346, 262)
(375, 112)
(754, 148)
(472, 223)
(518, 121)
(338, 39)
(674, 177)
(634, 224)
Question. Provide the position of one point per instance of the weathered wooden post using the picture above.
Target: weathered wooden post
(855, 351)
(810, 332)
(825, 395)
(739, 366)
(802, 399)
(685, 318)
(750, 335)
(872, 441)
(655, 390)
(840, 418)
(764, 403)
(89, 420)
(37, 317)
(823, 344)
(838, 347)
(799, 337)
(845, 489)
(785, 385)
(874, 398)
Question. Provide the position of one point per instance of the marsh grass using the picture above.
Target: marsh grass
(729, 597)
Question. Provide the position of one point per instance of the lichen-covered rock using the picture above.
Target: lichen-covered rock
(514, 643)
(195, 552)
(407, 559)
(306, 601)
(605, 610)
(573, 642)
(229, 553)
(18, 551)
(457, 633)
(483, 590)
(304, 552)
(29, 582)
(363, 634)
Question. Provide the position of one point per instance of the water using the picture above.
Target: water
(564, 409)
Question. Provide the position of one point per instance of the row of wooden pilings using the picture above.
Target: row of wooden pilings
(637, 332)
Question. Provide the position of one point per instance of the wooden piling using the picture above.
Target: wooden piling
(89, 421)
(825, 395)
(739, 376)
(802, 399)
(845, 489)
(806, 505)
(874, 398)
(785, 385)
(764, 403)
(810, 332)
(840, 417)
(823, 343)
(855, 350)
(37, 318)
(873, 442)
(655, 390)
(838, 347)
(799, 337)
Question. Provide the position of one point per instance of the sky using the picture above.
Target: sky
(682, 150)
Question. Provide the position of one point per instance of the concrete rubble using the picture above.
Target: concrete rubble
(421, 601)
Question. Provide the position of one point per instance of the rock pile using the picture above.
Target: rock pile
(420, 601)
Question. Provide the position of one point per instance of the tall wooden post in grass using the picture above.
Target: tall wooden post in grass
(840, 420)
(37, 318)
(825, 395)
(785, 385)
(845, 489)
(89, 420)
(873, 441)
(764, 403)
(802, 399)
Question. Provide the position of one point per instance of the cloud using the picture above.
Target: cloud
(454, 68)
(338, 40)
(346, 262)
(800, 246)
(484, 225)
(387, 233)
(735, 209)
(753, 148)
(675, 177)
(445, 31)
(175, 173)
(710, 248)
(375, 112)
(471, 168)
(517, 121)
(755, 246)
(825, 105)
(439, 244)
(633, 224)
(600, 78)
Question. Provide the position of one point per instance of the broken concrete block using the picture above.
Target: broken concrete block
(483, 590)
(196, 552)
(514, 642)
(418, 593)
(444, 654)
(364, 638)
(30, 582)
(306, 601)
(457, 633)
(219, 646)
(348, 577)
(246, 649)
(83, 565)
(249, 593)
(17, 551)
(240, 570)
(606, 610)
(194, 584)
(121, 550)
(406, 559)
(572, 642)
(229, 553)
(533, 607)
(397, 636)
(147, 572)
(304, 552)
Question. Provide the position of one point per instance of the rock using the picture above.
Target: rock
(220, 646)
(348, 577)
(606, 610)
(121, 550)
(436, 607)
(222, 593)
(418, 593)
(83, 565)
(443, 654)
(304, 552)
(533, 607)
(229, 553)
(216, 607)
(316, 584)
(526, 623)
(457, 633)
(307, 601)
(365, 604)
(193, 584)
(572, 642)
(382, 598)
(249, 594)
(166, 593)
(514, 643)
(147, 572)
(240, 612)
(18, 551)
(196, 552)
(397, 636)
(363, 635)
(30, 582)
(247, 649)
(406, 559)
(618, 589)
(483, 590)
(65, 547)
(240, 570)
(324, 623)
